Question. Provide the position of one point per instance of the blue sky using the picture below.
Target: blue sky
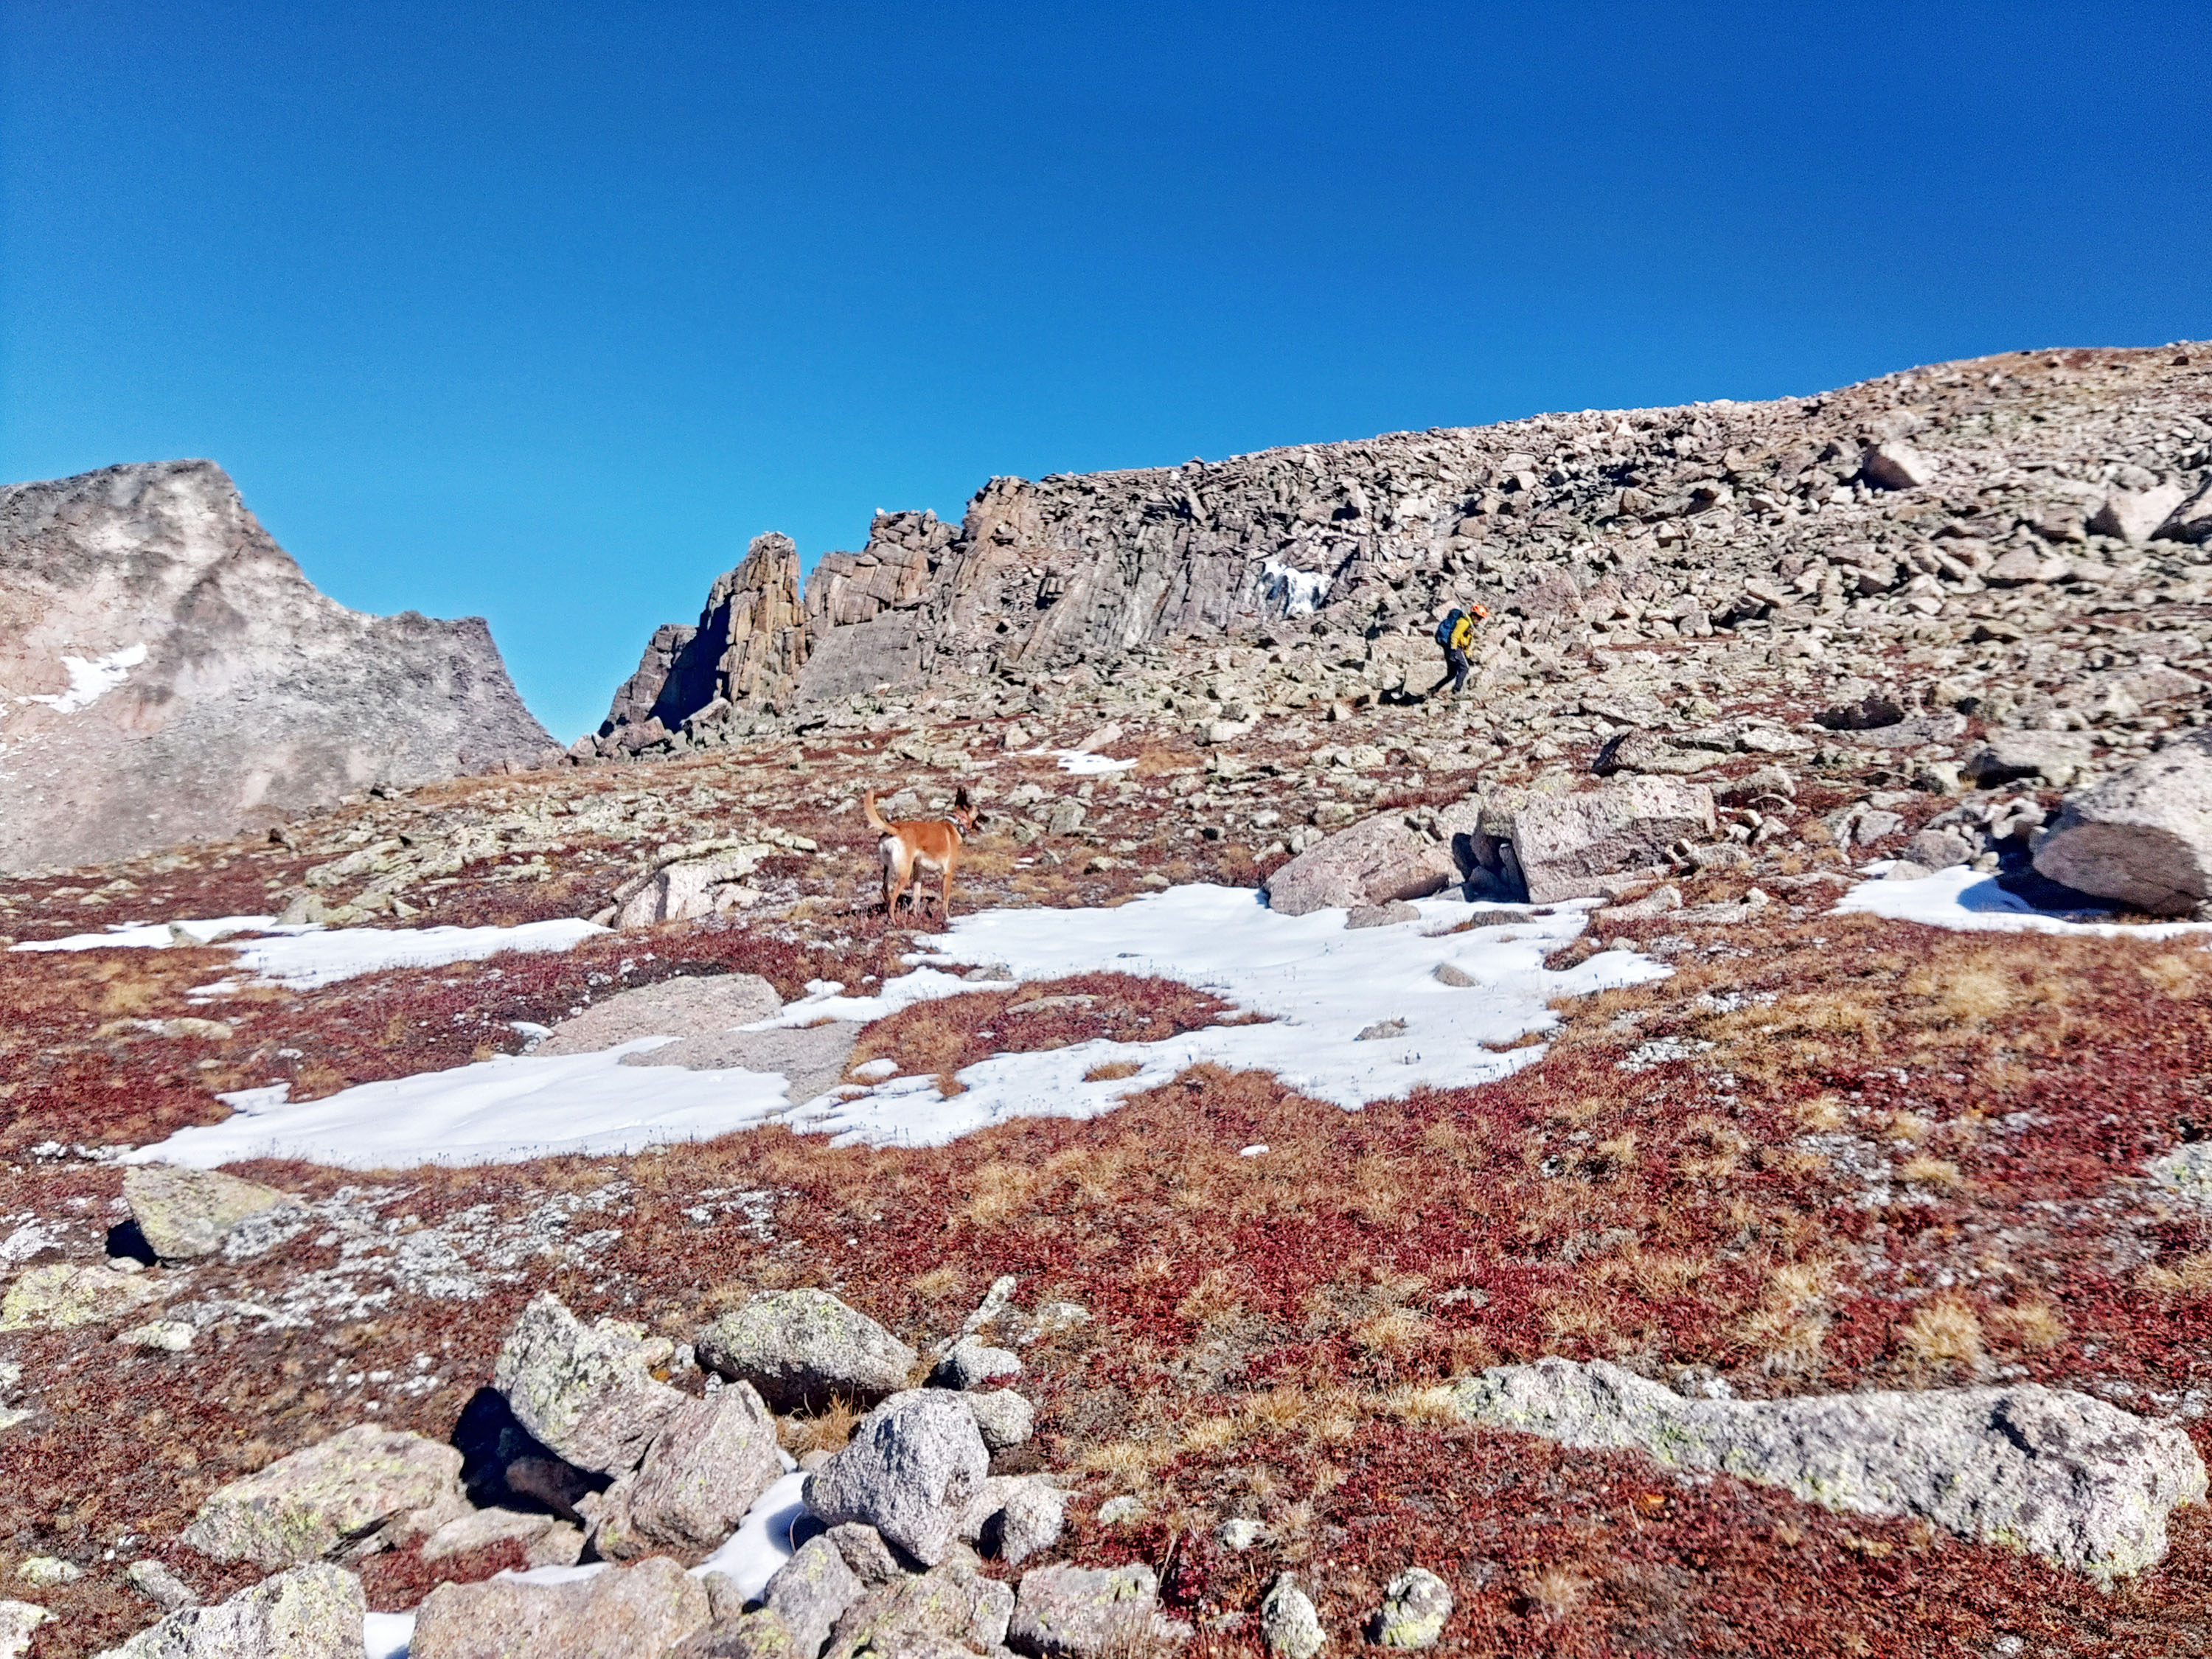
(541, 311)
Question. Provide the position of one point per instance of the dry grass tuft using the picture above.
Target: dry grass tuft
(828, 1430)
(2034, 1326)
(1944, 1334)
(1553, 1593)
(2191, 1276)
(1112, 1071)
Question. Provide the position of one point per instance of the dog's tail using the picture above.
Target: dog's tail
(875, 820)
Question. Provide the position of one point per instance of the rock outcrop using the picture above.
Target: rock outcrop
(2046, 1470)
(2142, 837)
(1878, 509)
(311, 1613)
(167, 672)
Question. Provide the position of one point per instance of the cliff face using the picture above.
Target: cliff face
(1830, 511)
(167, 672)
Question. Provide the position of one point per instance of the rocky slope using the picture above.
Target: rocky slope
(1994, 504)
(167, 672)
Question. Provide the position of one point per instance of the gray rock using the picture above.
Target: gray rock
(1080, 1612)
(340, 1490)
(546, 1540)
(625, 1613)
(1380, 916)
(2186, 1171)
(1415, 1605)
(913, 1465)
(2014, 757)
(969, 1363)
(2192, 521)
(951, 1604)
(184, 1213)
(2136, 515)
(1896, 465)
(1027, 1515)
(19, 1623)
(1289, 1625)
(158, 1584)
(1568, 845)
(2049, 1471)
(685, 889)
(2142, 837)
(811, 1592)
(1003, 1418)
(59, 1295)
(1938, 849)
(701, 1005)
(710, 1460)
(586, 1391)
(233, 695)
(309, 1612)
(802, 1348)
(865, 1552)
(1389, 857)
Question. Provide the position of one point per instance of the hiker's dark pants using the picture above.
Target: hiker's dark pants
(1455, 665)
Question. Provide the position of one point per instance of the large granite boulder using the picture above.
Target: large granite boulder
(2142, 837)
(167, 672)
(1577, 846)
(802, 1348)
(639, 1612)
(585, 1391)
(2049, 1471)
(710, 1460)
(57, 1295)
(1069, 1611)
(309, 1612)
(913, 1465)
(1390, 856)
(185, 1214)
(304, 1506)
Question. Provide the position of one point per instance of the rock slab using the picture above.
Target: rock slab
(712, 1458)
(309, 1612)
(914, 1464)
(303, 1506)
(2049, 1471)
(2142, 837)
(586, 1391)
(638, 1612)
(185, 1214)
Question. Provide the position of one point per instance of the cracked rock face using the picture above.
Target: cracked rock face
(2045, 1470)
(167, 672)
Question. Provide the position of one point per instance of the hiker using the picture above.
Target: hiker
(1455, 633)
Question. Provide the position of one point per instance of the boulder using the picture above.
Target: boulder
(811, 1592)
(913, 1465)
(1002, 1417)
(306, 1505)
(701, 1005)
(586, 1391)
(711, 1460)
(2056, 1472)
(801, 1349)
(2136, 516)
(154, 1581)
(948, 1609)
(184, 1213)
(1015, 1517)
(2186, 1171)
(969, 1364)
(19, 1621)
(1938, 849)
(1415, 1605)
(309, 1612)
(1289, 1623)
(690, 888)
(1081, 1613)
(2142, 837)
(546, 1542)
(637, 1612)
(62, 1294)
(2015, 757)
(2192, 521)
(1895, 465)
(1568, 845)
(1392, 856)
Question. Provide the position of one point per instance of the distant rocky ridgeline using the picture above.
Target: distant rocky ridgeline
(168, 671)
(1639, 524)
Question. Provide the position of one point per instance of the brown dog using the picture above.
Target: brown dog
(918, 844)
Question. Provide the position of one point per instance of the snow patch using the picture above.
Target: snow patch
(160, 935)
(1970, 901)
(1300, 591)
(93, 679)
(304, 956)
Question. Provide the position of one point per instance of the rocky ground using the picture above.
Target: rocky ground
(1828, 1153)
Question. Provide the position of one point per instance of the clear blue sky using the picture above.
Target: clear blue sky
(542, 309)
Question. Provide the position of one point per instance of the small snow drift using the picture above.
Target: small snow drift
(1971, 901)
(304, 956)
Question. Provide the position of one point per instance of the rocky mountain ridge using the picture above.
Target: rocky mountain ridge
(167, 672)
(1971, 504)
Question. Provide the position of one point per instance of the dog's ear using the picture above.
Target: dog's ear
(960, 799)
